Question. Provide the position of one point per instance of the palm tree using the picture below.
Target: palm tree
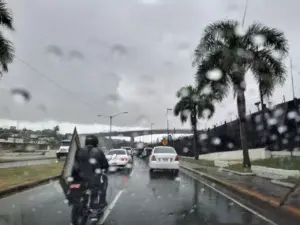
(6, 47)
(194, 106)
(226, 51)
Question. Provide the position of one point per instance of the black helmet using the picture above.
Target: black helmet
(91, 140)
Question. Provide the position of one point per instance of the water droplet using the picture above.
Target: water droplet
(184, 92)
(231, 204)
(207, 90)
(98, 171)
(13, 206)
(70, 179)
(273, 137)
(59, 212)
(202, 190)
(243, 85)
(140, 145)
(239, 30)
(214, 74)
(66, 201)
(178, 179)
(297, 149)
(92, 161)
(220, 169)
(33, 209)
(21, 96)
(185, 149)
(291, 115)
(272, 121)
(278, 112)
(282, 129)
(206, 113)
(258, 40)
(191, 211)
(203, 136)
(26, 173)
(285, 141)
(230, 145)
(216, 141)
(259, 127)
(186, 113)
(213, 184)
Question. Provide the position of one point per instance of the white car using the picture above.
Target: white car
(164, 158)
(120, 159)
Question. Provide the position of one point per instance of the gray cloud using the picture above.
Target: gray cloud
(136, 56)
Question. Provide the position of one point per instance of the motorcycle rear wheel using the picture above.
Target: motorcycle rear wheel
(78, 217)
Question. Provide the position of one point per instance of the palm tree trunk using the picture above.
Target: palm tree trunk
(263, 110)
(241, 106)
(195, 149)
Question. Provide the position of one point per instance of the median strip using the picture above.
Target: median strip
(23, 177)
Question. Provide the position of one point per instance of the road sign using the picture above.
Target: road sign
(164, 141)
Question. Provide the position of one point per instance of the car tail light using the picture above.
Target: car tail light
(123, 159)
(176, 158)
(153, 158)
(75, 186)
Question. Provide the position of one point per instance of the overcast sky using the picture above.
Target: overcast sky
(107, 56)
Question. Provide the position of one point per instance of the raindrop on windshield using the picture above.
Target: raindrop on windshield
(292, 115)
(216, 141)
(239, 30)
(230, 145)
(214, 74)
(206, 113)
(207, 90)
(20, 96)
(258, 40)
(278, 112)
(97, 171)
(185, 149)
(184, 92)
(202, 190)
(203, 136)
(272, 121)
(282, 129)
(140, 145)
(66, 201)
(33, 209)
(92, 161)
(70, 179)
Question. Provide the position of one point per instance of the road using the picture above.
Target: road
(137, 199)
(26, 163)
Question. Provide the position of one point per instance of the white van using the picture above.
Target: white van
(63, 149)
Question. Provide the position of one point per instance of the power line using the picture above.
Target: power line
(53, 82)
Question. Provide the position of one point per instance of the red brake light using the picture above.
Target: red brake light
(176, 158)
(123, 159)
(75, 186)
(153, 158)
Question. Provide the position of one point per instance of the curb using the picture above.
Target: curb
(242, 190)
(238, 173)
(284, 184)
(25, 186)
(22, 160)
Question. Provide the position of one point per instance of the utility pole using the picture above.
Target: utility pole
(168, 123)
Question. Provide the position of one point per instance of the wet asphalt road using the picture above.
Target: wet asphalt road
(139, 199)
(26, 163)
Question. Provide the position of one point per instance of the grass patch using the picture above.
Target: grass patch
(201, 162)
(287, 163)
(239, 168)
(18, 175)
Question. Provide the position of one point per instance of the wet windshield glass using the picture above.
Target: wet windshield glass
(118, 152)
(164, 150)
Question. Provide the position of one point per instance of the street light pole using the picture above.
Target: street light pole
(168, 122)
(151, 132)
(110, 122)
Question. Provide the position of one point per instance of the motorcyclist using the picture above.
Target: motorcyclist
(90, 162)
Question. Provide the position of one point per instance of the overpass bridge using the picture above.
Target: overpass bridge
(136, 133)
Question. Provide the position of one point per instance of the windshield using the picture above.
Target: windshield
(164, 150)
(206, 91)
(65, 143)
(118, 152)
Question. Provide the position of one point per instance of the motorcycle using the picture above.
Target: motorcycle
(87, 204)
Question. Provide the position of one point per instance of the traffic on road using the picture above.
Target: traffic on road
(136, 198)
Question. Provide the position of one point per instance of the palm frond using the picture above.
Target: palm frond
(274, 38)
(6, 52)
(5, 16)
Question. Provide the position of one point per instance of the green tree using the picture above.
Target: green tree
(224, 56)
(6, 47)
(193, 106)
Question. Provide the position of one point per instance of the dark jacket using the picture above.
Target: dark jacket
(88, 162)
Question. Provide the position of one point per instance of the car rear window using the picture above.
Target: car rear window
(164, 150)
(118, 152)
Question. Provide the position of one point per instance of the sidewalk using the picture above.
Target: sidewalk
(254, 186)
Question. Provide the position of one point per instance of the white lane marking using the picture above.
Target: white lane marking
(110, 207)
(131, 172)
(235, 201)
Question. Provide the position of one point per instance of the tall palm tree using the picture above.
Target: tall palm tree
(6, 47)
(193, 106)
(232, 53)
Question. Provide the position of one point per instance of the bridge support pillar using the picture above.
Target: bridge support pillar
(132, 140)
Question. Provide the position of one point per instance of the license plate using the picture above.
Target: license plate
(113, 163)
(165, 160)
